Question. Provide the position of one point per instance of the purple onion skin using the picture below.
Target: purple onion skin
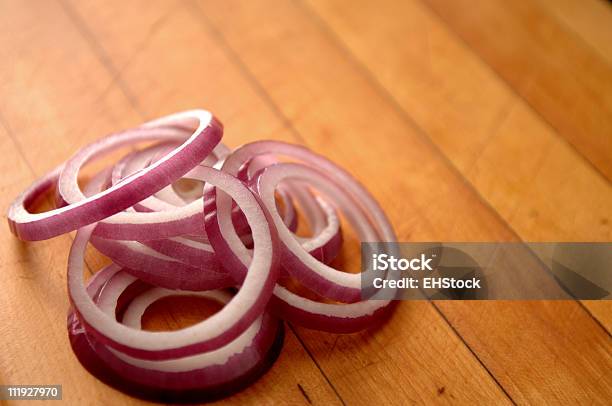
(142, 232)
(163, 273)
(171, 353)
(329, 324)
(330, 250)
(96, 366)
(125, 298)
(190, 256)
(239, 370)
(209, 376)
(230, 261)
(107, 205)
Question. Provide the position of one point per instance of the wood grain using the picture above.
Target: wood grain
(452, 151)
(519, 164)
(34, 346)
(564, 80)
(299, 66)
(182, 27)
(68, 115)
(588, 19)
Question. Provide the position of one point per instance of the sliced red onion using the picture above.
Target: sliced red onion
(100, 278)
(152, 266)
(169, 263)
(157, 269)
(82, 210)
(188, 250)
(312, 273)
(338, 318)
(321, 217)
(167, 198)
(198, 376)
(135, 162)
(233, 227)
(97, 367)
(139, 160)
(159, 219)
(128, 379)
(212, 333)
(195, 193)
(317, 217)
(329, 317)
(161, 270)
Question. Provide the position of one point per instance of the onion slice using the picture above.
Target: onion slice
(153, 266)
(185, 216)
(218, 330)
(198, 377)
(341, 318)
(82, 210)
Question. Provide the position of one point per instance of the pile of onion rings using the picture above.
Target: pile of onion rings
(187, 216)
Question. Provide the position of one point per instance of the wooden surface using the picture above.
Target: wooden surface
(487, 121)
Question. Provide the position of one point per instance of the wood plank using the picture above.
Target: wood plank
(34, 348)
(329, 99)
(51, 114)
(589, 19)
(428, 334)
(532, 178)
(566, 82)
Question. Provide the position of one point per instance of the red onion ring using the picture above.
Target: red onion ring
(139, 160)
(161, 270)
(303, 266)
(342, 318)
(189, 250)
(82, 210)
(91, 360)
(201, 375)
(212, 333)
(237, 230)
(153, 266)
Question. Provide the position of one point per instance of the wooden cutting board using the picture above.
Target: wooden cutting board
(486, 121)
